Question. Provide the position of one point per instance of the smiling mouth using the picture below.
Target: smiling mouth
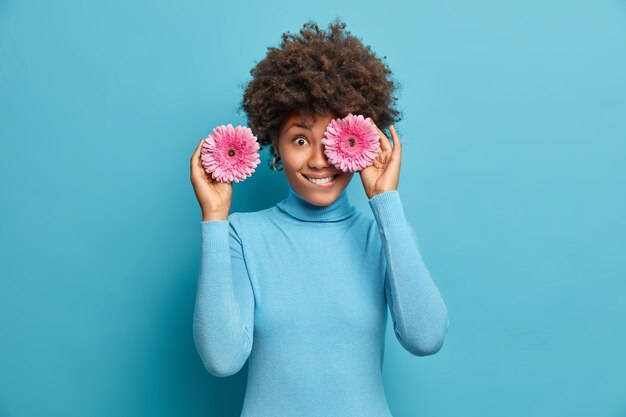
(321, 181)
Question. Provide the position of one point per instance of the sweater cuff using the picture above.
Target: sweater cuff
(215, 236)
(387, 209)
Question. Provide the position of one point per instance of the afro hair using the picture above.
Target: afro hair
(318, 73)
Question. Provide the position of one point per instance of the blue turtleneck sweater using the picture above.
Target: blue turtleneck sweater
(301, 292)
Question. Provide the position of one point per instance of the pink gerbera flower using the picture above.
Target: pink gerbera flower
(230, 153)
(351, 143)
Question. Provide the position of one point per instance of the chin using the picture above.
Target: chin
(322, 200)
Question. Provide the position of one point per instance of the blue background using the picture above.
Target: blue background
(513, 176)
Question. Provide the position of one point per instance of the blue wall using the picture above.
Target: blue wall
(513, 175)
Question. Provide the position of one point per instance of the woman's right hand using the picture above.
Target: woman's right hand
(213, 196)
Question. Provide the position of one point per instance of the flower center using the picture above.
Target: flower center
(231, 152)
(351, 141)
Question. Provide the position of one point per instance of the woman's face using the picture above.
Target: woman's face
(302, 153)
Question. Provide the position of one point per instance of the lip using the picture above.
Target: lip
(327, 185)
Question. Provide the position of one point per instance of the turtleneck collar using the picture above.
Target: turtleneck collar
(297, 206)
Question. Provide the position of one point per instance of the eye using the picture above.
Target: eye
(298, 140)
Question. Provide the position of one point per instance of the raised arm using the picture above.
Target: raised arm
(223, 323)
(420, 316)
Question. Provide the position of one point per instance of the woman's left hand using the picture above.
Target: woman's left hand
(384, 174)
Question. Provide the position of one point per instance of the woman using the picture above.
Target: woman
(300, 290)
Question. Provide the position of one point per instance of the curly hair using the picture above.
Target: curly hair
(314, 73)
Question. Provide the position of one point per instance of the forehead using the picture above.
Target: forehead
(296, 118)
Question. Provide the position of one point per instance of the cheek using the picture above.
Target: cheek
(293, 161)
(347, 177)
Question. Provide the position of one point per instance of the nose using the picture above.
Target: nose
(318, 158)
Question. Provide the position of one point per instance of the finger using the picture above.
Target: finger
(195, 158)
(197, 151)
(397, 146)
(385, 144)
(381, 135)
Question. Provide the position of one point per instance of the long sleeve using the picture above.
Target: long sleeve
(419, 313)
(224, 308)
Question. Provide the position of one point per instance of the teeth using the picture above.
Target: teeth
(321, 180)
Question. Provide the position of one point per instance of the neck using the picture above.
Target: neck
(298, 207)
